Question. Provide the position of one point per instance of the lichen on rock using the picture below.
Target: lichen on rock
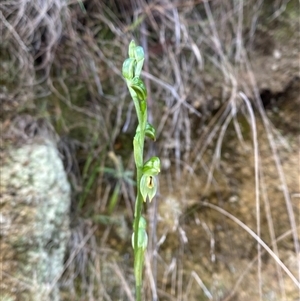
(34, 221)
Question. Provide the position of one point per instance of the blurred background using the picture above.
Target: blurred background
(223, 93)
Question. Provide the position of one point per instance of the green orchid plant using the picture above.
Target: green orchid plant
(146, 172)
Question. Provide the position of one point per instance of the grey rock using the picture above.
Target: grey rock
(34, 221)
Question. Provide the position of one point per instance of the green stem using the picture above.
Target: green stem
(138, 271)
(138, 294)
(138, 210)
(138, 149)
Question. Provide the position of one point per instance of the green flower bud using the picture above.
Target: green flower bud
(150, 131)
(128, 68)
(139, 53)
(131, 49)
(139, 88)
(142, 235)
(139, 57)
(148, 187)
(152, 167)
(142, 223)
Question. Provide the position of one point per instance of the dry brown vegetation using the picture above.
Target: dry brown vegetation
(216, 72)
